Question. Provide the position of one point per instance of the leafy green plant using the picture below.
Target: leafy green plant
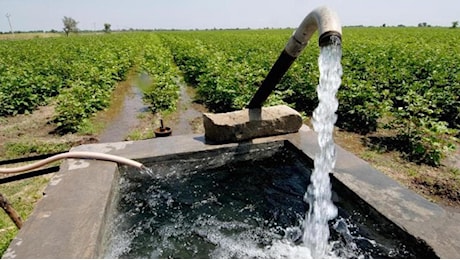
(402, 74)
(429, 143)
(428, 139)
(162, 90)
(35, 75)
(76, 104)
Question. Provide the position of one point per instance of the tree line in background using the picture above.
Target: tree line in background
(70, 26)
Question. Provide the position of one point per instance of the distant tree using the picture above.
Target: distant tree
(454, 24)
(423, 25)
(107, 27)
(384, 25)
(70, 25)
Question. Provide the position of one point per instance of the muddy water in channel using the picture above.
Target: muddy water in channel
(127, 103)
(122, 116)
(189, 114)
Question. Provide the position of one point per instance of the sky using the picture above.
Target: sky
(32, 15)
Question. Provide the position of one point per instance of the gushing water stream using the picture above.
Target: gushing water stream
(318, 195)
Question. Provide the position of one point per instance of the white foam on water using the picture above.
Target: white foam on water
(230, 242)
(121, 241)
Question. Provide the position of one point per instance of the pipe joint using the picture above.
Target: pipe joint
(294, 47)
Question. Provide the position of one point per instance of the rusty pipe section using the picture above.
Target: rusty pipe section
(329, 29)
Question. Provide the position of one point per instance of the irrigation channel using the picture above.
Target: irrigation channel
(124, 117)
(128, 105)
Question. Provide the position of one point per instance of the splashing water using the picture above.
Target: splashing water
(318, 195)
(147, 171)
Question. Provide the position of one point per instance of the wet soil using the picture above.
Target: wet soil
(128, 114)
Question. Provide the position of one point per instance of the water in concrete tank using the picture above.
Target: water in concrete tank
(238, 205)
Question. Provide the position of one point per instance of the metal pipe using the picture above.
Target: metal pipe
(322, 19)
(79, 155)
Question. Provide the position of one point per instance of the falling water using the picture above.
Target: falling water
(318, 195)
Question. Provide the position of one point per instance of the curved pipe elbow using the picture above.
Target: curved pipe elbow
(322, 19)
(330, 32)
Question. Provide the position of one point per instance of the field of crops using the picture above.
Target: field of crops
(404, 82)
(77, 74)
(406, 79)
(403, 79)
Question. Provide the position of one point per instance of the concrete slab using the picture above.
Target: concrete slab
(242, 125)
(69, 221)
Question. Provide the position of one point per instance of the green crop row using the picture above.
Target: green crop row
(101, 62)
(81, 71)
(223, 81)
(410, 77)
(158, 75)
(27, 75)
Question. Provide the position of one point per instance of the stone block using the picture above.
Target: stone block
(247, 124)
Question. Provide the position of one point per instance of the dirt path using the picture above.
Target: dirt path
(29, 134)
